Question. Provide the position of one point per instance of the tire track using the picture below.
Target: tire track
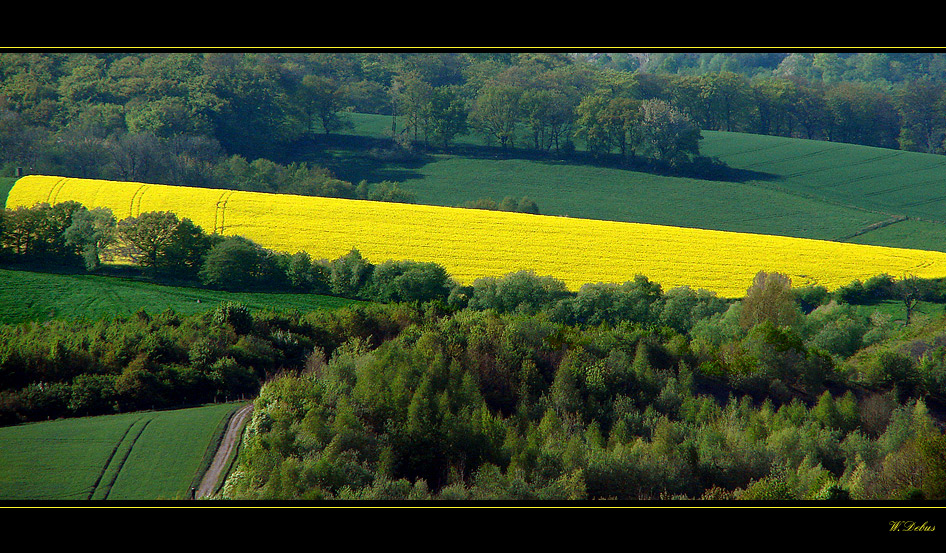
(117, 447)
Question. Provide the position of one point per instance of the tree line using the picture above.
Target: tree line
(163, 247)
(183, 117)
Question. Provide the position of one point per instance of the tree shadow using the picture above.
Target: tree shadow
(356, 158)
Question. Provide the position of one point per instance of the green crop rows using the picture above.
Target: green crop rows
(131, 456)
(29, 296)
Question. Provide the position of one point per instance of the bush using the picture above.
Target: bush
(523, 291)
(349, 274)
(634, 301)
(810, 297)
(837, 329)
(235, 315)
(408, 281)
(236, 263)
(874, 289)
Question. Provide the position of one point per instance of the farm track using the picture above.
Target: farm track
(231, 438)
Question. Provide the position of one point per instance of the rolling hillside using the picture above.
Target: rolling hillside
(791, 187)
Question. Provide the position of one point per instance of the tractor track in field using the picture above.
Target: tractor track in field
(211, 478)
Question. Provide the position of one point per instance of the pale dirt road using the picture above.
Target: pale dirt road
(219, 464)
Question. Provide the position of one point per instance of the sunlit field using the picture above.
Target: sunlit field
(473, 243)
(145, 455)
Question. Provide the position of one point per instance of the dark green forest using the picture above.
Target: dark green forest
(232, 119)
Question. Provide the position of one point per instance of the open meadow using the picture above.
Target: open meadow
(785, 186)
(34, 296)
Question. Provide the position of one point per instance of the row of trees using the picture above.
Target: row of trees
(163, 246)
(81, 112)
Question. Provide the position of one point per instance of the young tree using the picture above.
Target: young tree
(909, 291)
(188, 246)
(349, 274)
(92, 231)
(236, 263)
(666, 134)
(406, 281)
(770, 299)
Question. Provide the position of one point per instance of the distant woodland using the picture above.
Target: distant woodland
(212, 118)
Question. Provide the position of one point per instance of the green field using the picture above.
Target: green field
(32, 296)
(131, 456)
(793, 187)
(6, 183)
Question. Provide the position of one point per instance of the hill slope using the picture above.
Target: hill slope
(791, 187)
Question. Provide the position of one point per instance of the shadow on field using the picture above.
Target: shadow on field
(356, 158)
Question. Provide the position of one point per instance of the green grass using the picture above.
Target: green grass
(891, 181)
(619, 195)
(802, 188)
(32, 296)
(6, 183)
(896, 312)
(130, 456)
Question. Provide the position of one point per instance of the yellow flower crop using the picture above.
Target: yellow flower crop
(473, 243)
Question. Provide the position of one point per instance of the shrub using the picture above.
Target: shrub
(349, 274)
(236, 263)
(523, 291)
(407, 281)
(634, 301)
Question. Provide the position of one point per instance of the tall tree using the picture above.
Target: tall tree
(922, 106)
(322, 100)
(92, 231)
(728, 99)
(411, 96)
(770, 300)
(773, 98)
(862, 115)
(666, 134)
(147, 238)
(447, 115)
(496, 112)
(549, 114)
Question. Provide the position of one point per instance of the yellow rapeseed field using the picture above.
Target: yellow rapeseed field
(473, 243)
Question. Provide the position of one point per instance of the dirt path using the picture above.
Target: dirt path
(219, 464)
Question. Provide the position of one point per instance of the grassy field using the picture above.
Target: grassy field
(895, 311)
(795, 187)
(130, 456)
(32, 296)
(6, 183)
